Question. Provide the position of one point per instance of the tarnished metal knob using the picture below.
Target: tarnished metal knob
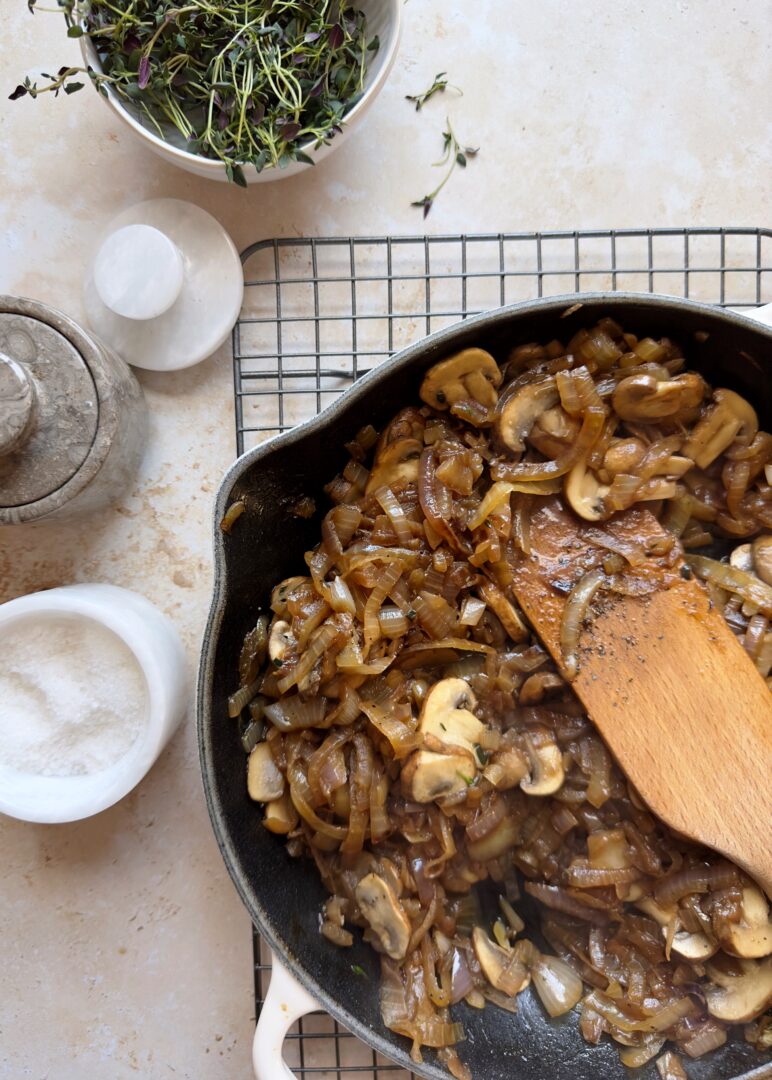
(17, 404)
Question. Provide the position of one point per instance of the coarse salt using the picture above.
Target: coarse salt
(73, 698)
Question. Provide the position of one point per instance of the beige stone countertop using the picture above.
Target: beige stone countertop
(124, 949)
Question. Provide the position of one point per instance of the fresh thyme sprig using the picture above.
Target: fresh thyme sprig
(242, 81)
(439, 86)
(453, 153)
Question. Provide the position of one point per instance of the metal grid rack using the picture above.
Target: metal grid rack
(319, 313)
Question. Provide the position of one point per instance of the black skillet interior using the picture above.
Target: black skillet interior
(283, 895)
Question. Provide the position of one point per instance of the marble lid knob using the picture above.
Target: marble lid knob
(138, 272)
(17, 404)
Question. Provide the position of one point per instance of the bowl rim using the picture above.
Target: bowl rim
(220, 585)
(186, 157)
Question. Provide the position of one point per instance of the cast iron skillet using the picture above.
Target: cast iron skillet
(284, 895)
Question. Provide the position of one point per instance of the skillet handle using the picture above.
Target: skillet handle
(284, 1003)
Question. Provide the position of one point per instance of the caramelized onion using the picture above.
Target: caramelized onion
(746, 585)
(574, 614)
(395, 513)
(552, 896)
(592, 425)
(558, 985)
(694, 879)
(292, 713)
(418, 788)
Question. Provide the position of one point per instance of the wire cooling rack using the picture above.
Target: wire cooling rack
(319, 313)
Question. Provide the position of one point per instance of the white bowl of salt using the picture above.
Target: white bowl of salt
(93, 682)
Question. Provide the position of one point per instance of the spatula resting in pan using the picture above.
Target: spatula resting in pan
(671, 690)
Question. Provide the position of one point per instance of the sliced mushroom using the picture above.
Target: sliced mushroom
(554, 431)
(585, 493)
(505, 610)
(264, 781)
(279, 641)
(675, 465)
(728, 417)
(395, 466)
(427, 776)
(517, 411)
(624, 455)
(694, 946)
(751, 937)
(546, 763)
(472, 373)
(737, 999)
(538, 685)
(762, 558)
(499, 966)
(742, 558)
(281, 817)
(644, 397)
(506, 769)
(447, 716)
(385, 914)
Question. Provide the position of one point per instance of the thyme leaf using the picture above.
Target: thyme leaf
(482, 755)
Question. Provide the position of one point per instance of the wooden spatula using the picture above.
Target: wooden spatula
(671, 690)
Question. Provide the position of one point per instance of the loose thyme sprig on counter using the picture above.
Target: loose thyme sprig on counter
(243, 81)
(439, 86)
(454, 153)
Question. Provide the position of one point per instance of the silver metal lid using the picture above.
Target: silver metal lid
(49, 409)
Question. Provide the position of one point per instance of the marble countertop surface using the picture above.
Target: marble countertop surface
(125, 949)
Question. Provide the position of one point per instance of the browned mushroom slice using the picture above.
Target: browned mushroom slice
(586, 494)
(502, 607)
(519, 409)
(547, 773)
(762, 558)
(728, 417)
(385, 914)
(472, 373)
(395, 462)
(739, 996)
(694, 946)
(447, 718)
(395, 466)
(643, 397)
(751, 937)
(427, 775)
(501, 967)
(554, 431)
(280, 815)
(742, 558)
(506, 768)
(264, 781)
(624, 455)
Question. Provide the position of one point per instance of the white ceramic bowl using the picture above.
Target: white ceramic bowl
(153, 640)
(384, 18)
